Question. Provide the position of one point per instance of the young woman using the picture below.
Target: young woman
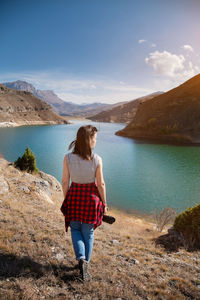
(85, 200)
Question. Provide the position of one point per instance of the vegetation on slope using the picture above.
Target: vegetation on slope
(172, 116)
(37, 259)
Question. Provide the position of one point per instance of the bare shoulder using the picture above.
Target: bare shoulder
(98, 159)
(65, 160)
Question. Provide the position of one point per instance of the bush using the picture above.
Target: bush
(187, 224)
(27, 161)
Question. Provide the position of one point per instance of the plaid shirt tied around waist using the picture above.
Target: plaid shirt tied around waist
(83, 203)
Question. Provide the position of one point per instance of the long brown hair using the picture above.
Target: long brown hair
(81, 145)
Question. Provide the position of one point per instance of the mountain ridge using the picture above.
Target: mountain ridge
(173, 116)
(122, 113)
(60, 106)
(19, 108)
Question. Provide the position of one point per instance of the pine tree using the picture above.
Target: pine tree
(27, 161)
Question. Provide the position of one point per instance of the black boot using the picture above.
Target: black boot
(83, 267)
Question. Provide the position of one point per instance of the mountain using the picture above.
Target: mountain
(61, 107)
(173, 116)
(121, 112)
(23, 108)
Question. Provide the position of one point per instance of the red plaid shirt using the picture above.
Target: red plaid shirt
(83, 203)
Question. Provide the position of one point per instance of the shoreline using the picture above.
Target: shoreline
(159, 140)
(141, 216)
(74, 118)
(29, 123)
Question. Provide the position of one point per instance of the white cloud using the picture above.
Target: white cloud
(165, 63)
(78, 90)
(172, 69)
(142, 41)
(188, 47)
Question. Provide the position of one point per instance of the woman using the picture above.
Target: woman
(85, 201)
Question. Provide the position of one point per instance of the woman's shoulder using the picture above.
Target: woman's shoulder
(68, 156)
(96, 155)
(97, 158)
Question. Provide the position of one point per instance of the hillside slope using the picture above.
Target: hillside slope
(122, 113)
(173, 116)
(61, 107)
(23, 108)
(37, 258)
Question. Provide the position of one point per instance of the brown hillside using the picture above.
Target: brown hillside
(23, 108)
(37, 258)
(172, 116)
(122, 113)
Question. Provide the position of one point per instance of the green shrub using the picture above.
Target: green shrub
(27, 161)
(188, 224)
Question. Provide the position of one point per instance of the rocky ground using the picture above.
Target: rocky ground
(37, 259)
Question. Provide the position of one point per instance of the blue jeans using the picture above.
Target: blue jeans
(82, 238)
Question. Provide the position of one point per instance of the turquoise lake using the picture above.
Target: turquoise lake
(138, 176)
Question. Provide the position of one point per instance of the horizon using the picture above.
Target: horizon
(103, 52)
(83, 103)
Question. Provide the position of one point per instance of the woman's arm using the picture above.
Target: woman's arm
(100, 182)
(65, 177)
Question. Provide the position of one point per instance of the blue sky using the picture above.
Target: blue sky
(100, 50)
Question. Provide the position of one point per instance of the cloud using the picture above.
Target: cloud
(153, 45)
(165, 63)
(142, 41)
(172, 69)
(188, 47)
(78, 90)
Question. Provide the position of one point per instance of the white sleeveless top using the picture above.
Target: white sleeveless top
(82, 170)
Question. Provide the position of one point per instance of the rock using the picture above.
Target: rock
(42, 185)
(28, 177)
(4, 187)
(24, 188)
(44, 196)
(115, 242)
(59, 256)
(54, 183)
(135, 261)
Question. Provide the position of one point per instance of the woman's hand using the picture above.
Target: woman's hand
(105, 209)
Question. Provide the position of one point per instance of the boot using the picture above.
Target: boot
(83, 267)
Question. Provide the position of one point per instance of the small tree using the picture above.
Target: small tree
(27, 161)
(166, 216)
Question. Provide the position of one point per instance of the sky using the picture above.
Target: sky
(100, 50)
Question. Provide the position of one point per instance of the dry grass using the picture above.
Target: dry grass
(37, 259)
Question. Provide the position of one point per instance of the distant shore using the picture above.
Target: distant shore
(28, 123)
(78, 118)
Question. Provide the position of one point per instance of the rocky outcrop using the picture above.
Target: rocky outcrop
(23, 108)
(40, 186)
(171, 117)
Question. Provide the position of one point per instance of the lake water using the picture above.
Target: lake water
(138, 176)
